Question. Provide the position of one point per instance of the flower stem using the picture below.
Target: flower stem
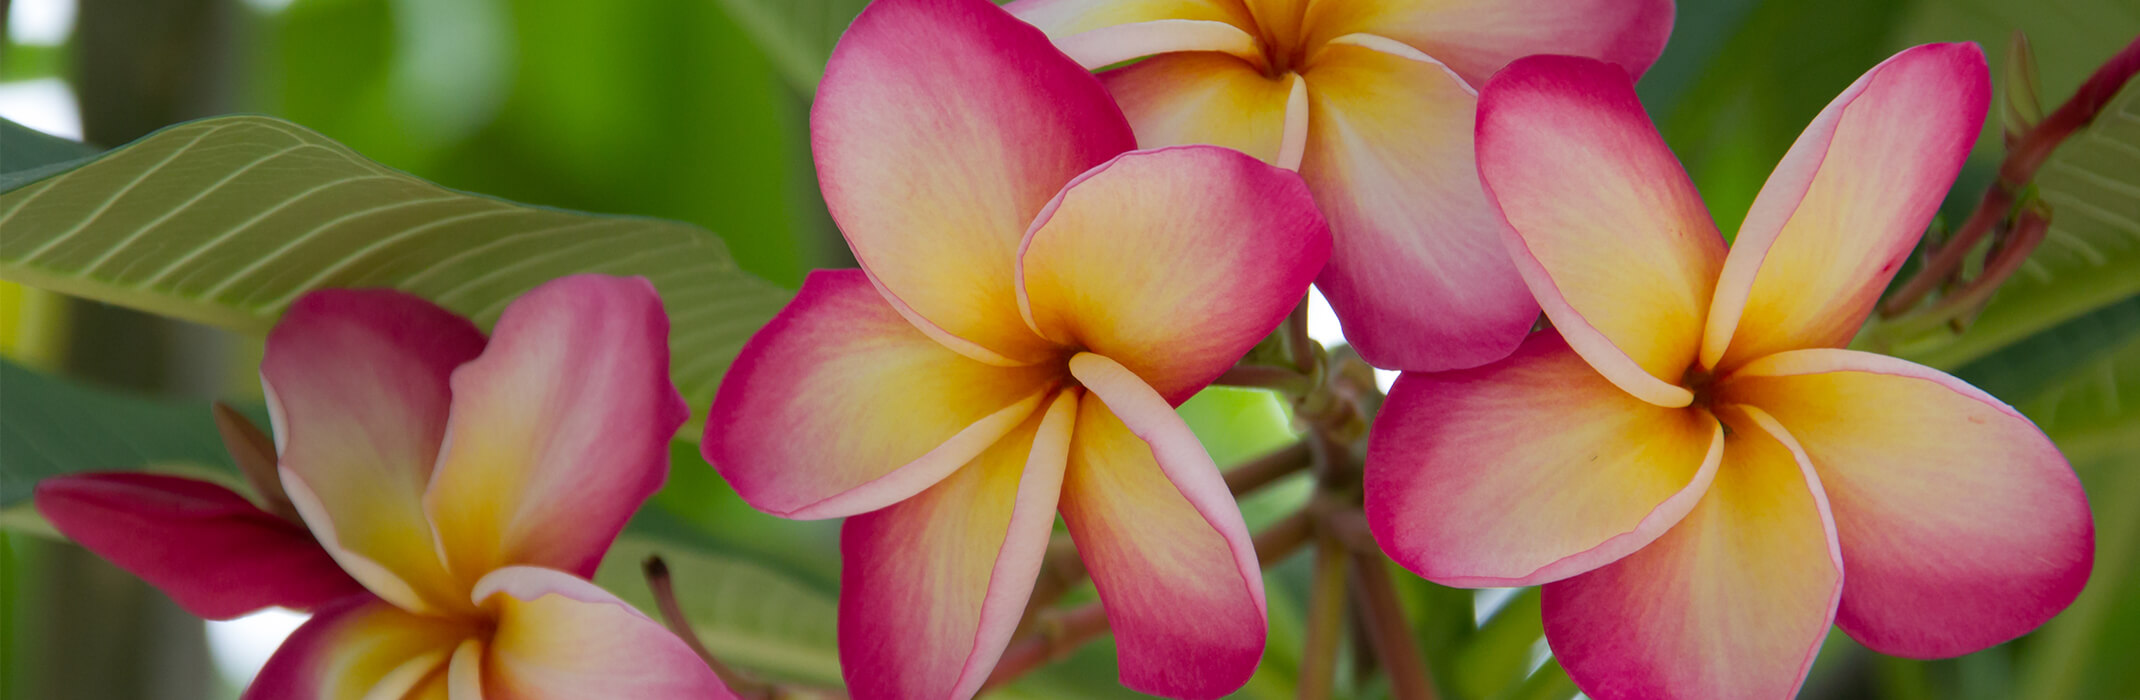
(1278, 379)
(1387, 632)
(1326, 622)
(1298, 346)
(2028, 154)
(1262, 471)
(672, 615)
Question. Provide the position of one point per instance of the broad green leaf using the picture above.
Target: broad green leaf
(50, 426)
(2023, 371)
(798, 35)
(747, 615)
(28, 155)
(2090, 258)
(227, 220)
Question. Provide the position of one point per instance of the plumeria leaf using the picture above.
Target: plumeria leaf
(2057, 360)
(227, 220)
(50, 426)
(797, 35)
(747, 615)
(32, 155)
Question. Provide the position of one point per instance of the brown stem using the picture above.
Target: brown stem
(2015, 173)
(1058, 636)
(672, 615)
(1387, 632)
(1060, 571)
(1326, 622)
(1279, 541)
(254, 453)
(1349, 527)
(1298, 346)
(1261, 471)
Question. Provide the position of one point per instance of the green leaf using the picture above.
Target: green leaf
(28, 155)
(227, 220)
(50, 426)
(798, 35)
(2023, 371)
(747, 615)
(2091, 256)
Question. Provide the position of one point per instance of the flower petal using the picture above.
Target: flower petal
(1733, 602)
(940, 129)
(1478, 37)
(356, 385)
(1166, 545)
(359, 648)
(1067, 17)
(1419, 276)
(559, 431)
(1205, 97)
(1529, 470)
(216, 554)
(1106, 46)
(1847, 205)
(559, 636)
(1602, 221)
(839, 406)
(932, 587)
(1961, 525)
(1172, 262)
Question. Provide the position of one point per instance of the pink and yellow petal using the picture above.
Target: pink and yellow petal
(356, 385)
(1732, 603)
(1155, 524)
(1478, 37)
(1601, 220)
(1208, 98)
(1529, 470)
(934, 155)
(1418, 275)
(357, 649)
(1961, 525)
(1847, 205)
(559, 431)
(1067, 17)
(213, 552)
(559, 636)
(933, 586)
(1172, 262)
(839, 406)
(1107, 46)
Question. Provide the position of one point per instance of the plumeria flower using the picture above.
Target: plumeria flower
(1696, 471)
(460, 491)
(1033, 301)
(1372, 101)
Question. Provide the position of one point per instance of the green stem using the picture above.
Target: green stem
(1326, 622)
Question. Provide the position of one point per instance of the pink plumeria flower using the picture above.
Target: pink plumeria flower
(1372, 101)
(461, 492)
(1034, 300)
(1692, 465)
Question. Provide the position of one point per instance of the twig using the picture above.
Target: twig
(1058, 636)
(1387, 632)
(1261, 471)
(1326, 622)
(1279, 541)
(2028, 154)
(672, 615)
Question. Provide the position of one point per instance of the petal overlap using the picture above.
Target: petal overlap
(1529, 470)
(1204, 97)
(839, 406)
(1961, 525)
(935, 155)
(561, 637)
(359, 648)
(1478, 37)
(1172, 262)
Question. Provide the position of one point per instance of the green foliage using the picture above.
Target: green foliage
(747, 615)
(28, 155)
(797, 34)
(49, 427)
(227, 220)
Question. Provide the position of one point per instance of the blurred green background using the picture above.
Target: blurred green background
(696, 110)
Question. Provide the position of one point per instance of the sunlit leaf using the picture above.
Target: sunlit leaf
(225, 221)
(747, 615)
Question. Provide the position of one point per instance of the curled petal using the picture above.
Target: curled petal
(1067, 17)
(933, 586)
(1961, 525)
(559, 636)
(1478, 37)
(940, 129)
(1172, 262)
(839, 406)
(1733, 602)
(216, 554)
(1529, 470)
(1107, 46)
(1208, 98)
(360, 648)
(356, 384)
(1166, 545)
(1418, 275)
(559, 431)
(1601, 220)
(1847, 205)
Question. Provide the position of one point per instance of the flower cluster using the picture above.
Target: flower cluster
(1053, 259)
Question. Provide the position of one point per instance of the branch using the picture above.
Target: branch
(2028, 154)
(1261, 471)
(1387, 631)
